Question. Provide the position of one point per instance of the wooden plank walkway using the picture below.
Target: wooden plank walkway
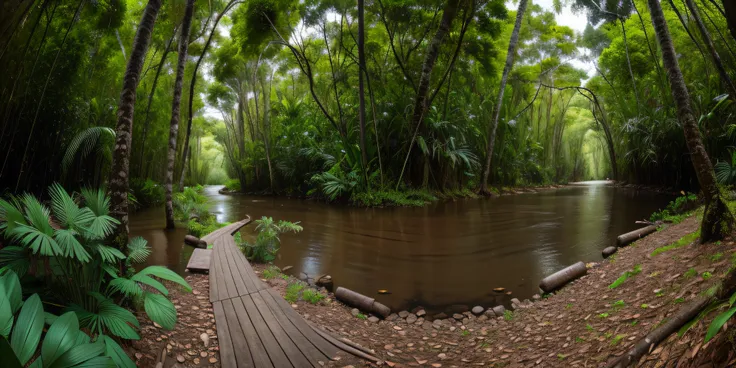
(256, 327)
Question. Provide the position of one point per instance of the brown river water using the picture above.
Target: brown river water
(448, 253)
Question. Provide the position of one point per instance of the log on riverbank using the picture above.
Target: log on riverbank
(361, 302)
(628, 238)
(609, 251)
(563, 277)
(195, 241)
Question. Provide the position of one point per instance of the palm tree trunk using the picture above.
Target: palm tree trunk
(725, 79)
(175, 113)
(717, 219)
(118, 182)
(483, 188)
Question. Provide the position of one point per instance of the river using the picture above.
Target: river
(447, 253)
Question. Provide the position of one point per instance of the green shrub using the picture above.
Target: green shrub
(191, 203)
(676, 210)
(217, 176)
(267, 241)
(625, 276)
(685, 240)
(201, 228)
(292, 291)
(412, 198)
(233, 185)
(147, 193)
(85, 276)
(312, 296)
(271, 272)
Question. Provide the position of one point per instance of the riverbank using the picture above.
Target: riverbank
(588, 323)
(407, 198)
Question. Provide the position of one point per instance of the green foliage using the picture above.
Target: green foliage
(233, 185)
(690, 273)
(617, 339)
(267, 242)
(63, 344)
(508, 315)
(625, 276)
(83, 276)
(618, 305)
(411, 198)
(684, 241)
(293, 291)
(676, 210)
(312, 296)
(361, 316)
(271, 272)
(147, 192)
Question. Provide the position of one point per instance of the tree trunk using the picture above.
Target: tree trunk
(147, 120)
(717, 218)
(361, 90)
(118, 182)
(175, 113)
(725, 79)
(433, 51)
(729, 7)
(499, 100)
(191, 88)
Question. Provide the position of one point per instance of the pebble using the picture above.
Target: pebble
(392, 317)
(397, 328)
(477, 310)
(442, 356)
(203, 354)
(213, 360)
(180, 358)
(389, 346)
(421, 313)
(196, 360)
(411, 318)
(403, 314)
(499, 310)
(458, 316)
(205, 339)
(373, 319)
(355, 312)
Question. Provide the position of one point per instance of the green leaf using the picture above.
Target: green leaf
(66, 210)
(10, 216)
(718, 322)
(160, 310)
(14, 259)
(166, 274)
(732, 300)
(6, 314)
(38, 241)
(61, 336)
(147, 280)
(138, 250)
(118, 355)
(109, 254)
(97, 201)
(13, 290)
(110, 317)
(127, 287)
(98, 362)
(49, 318)
(70, 246)
(79, 354)
(28, 327)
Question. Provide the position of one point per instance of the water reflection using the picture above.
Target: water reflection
(447, 253)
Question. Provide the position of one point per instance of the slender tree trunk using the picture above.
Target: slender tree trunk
(717, 218)
(361, 89)
(191, 88)
(175, 113)
(725, 79)
(118, 183)
(483, 188)
(433, 51)
(729, 8)
(147, 120)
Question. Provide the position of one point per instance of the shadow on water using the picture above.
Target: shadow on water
(452, 252)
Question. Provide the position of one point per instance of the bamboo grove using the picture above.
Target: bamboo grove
(358, 102)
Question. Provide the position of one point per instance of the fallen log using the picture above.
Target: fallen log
(562, 277)
(194, 241)
(609, 251)
(361, 302)
(628, 238)
(651, 340)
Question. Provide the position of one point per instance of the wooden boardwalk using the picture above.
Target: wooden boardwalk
(256, 327)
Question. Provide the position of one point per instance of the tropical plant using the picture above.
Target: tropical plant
(63, 345)
(190, 203)
(725, 171)
(83, 274)
(83, 144)
(267, 241)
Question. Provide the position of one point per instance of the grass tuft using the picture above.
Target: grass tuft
(685, 240)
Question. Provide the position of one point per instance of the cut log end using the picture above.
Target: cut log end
(361, 302)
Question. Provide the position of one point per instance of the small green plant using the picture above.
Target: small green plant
(465, 333)
(292, 291)
(634, 323)
(690, 273)
(312, 296)
(644, 306)
(617, 339)
(603, 315)
(271, 272)
(678, 301)
(608, 335)
(676, 211)
(561, 356)
(508, 315)
(589, 327)
(684, 241)
(361, 316)
(706, 275)
(618, 305)
(233, 185)
(654, 274)
(625, 276)
(284, 276)
(579, 339)
(716, 257)
(568, 306)
(267, 241)
(660, 293)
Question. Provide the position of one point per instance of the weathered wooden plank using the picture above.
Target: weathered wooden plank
(200, 260)
(227, 353)
(324, 346)
(237, 259)
(214, 281)
(232, 291)
(292, 352)
(222, 292)
(255, 345)
(238, 276)
(313, 354)
(274, 350)
(239, 343)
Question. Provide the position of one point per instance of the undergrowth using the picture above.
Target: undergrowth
(625, 276)
(685, 240)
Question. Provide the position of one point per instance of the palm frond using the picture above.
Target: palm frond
(83, 144)
(138, 250)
